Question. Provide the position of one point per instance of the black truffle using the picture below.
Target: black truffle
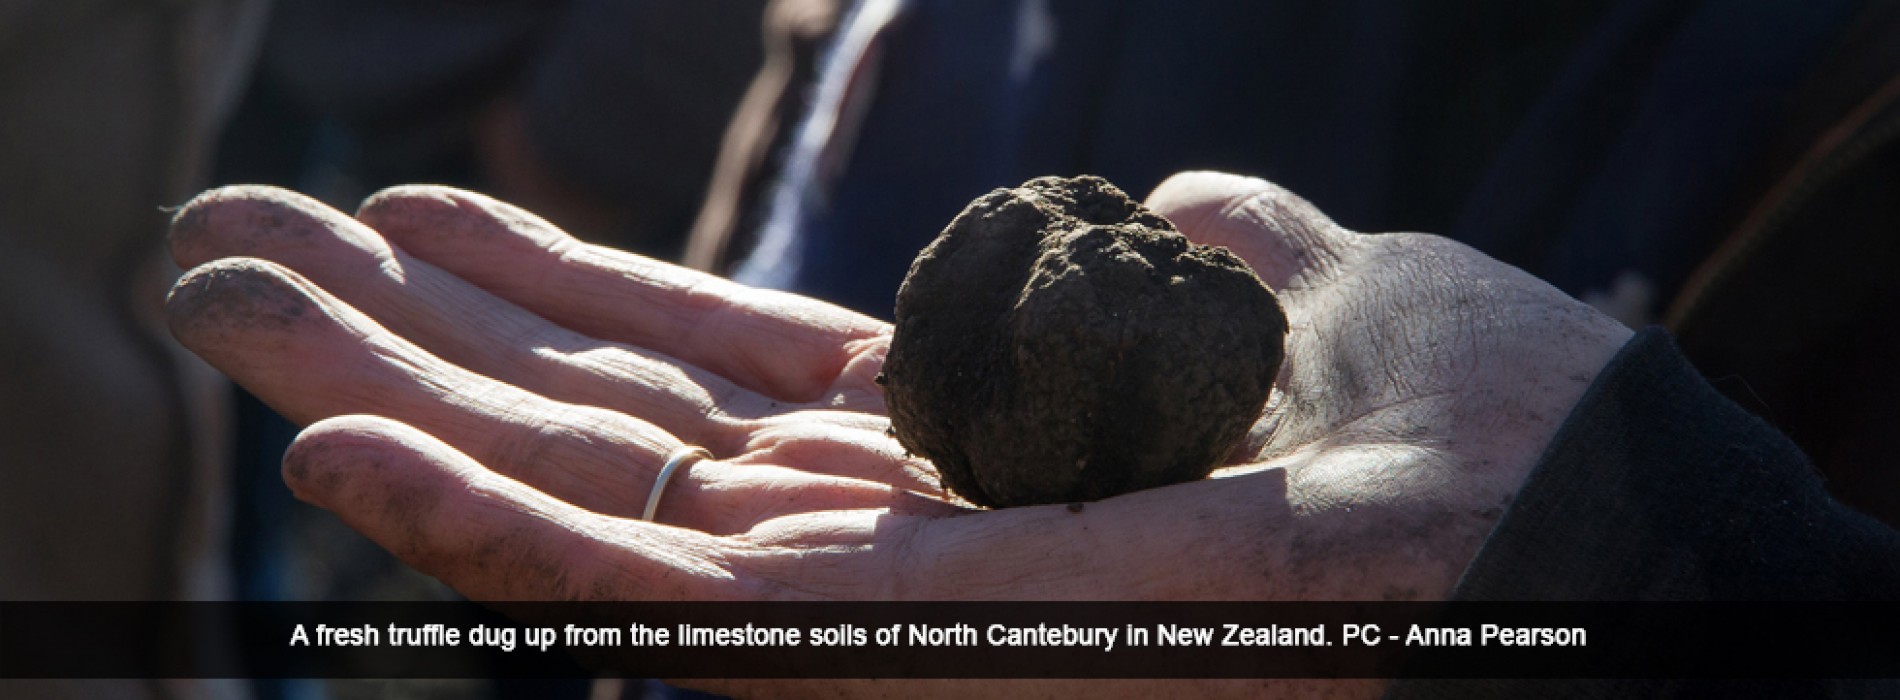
(1059, 342)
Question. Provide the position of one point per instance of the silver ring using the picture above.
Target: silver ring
(680, 458)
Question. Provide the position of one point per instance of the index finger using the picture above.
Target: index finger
(783, 345)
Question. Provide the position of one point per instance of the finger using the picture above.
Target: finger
(488, 536)
(855, 445)
(312, 357)
(453, 319)
(784, 346)
(1286, 240)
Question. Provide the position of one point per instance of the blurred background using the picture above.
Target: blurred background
(1730, 170)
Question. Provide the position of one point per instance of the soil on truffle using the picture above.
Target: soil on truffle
(1058, 342)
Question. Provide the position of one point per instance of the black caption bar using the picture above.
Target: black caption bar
(951, 640)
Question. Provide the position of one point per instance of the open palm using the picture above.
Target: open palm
(491, 399)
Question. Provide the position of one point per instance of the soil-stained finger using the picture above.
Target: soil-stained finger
(457, 321)
(488, 536)
(311, 357)
(788, 347)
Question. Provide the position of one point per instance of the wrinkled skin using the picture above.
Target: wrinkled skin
(489, 399)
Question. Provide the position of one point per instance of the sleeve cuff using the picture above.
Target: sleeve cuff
(1657, 487)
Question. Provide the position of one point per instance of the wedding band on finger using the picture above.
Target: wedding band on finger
(680, 458)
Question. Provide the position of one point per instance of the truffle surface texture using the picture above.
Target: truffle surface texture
(1059, 342)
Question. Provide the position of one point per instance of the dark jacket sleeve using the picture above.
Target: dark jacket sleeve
(1657, 488)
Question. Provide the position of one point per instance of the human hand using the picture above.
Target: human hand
(490, 400)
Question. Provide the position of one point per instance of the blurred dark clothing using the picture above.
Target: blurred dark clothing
(113, 453)
(1792, 315)
(112, 470)
(1719, 507)
(603, 115)
(1720, 166)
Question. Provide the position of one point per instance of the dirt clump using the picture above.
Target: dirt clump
(1059, 342)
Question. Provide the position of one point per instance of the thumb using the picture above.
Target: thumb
(1286, 239)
